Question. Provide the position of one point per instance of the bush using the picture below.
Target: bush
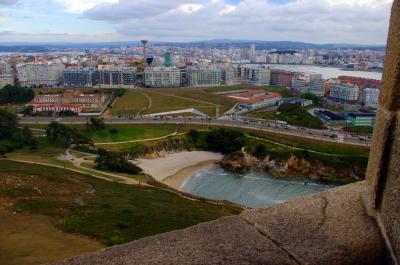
(114, 131)
(117, 162)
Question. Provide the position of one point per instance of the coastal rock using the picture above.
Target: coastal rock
(236, 162)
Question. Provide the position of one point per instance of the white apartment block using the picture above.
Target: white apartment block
(370, 97)
(255, 74)
(344, 93)
(162, 77)
(230, 76)
(203, 77)
(309, 83)
(6, 80)
(5, 68)
(40, 74)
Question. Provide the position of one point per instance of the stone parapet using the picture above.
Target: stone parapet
(326, 228)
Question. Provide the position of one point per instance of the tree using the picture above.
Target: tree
(8, 124)
(65, 136)
(95, 124)
(260, 151)
(316, 100)
(11, 94)
(225, 140)
(28, 110)
(115, 161)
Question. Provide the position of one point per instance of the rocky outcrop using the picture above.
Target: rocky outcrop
(236, 162)
(294, 166)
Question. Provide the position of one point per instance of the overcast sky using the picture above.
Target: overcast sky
(316, 21)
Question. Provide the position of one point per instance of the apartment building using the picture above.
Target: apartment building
(117, 76)
(40, 74)
(78, 77)
(344, 93)
(309, 83)
(370, 97)
(282, 78)
(6, 80)
(203, 77)
(162, 77)
(255, 74)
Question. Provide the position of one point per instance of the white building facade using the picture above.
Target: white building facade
(370, 97)
(162, 77)
(40, 74)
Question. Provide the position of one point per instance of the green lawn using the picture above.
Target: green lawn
(129, 132)
(359, 129)
(110, 212)
(165, 100)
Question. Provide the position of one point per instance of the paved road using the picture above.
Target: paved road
(335, 136)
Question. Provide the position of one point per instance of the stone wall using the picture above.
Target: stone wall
(383, 175)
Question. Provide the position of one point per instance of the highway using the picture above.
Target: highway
(329, 135)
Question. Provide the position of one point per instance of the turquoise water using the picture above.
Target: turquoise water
(253, 190)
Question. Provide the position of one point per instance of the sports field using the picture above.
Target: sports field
(150, 101)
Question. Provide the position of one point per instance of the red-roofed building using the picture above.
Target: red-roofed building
(255, 98)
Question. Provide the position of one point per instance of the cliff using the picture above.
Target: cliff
(294, 166)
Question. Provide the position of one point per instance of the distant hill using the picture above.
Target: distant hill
(222, 43)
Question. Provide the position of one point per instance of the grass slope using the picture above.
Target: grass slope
(110, 212)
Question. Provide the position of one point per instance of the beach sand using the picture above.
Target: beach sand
(176, 181)
(175, 168)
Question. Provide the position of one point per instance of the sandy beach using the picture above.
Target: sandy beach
(175, 168)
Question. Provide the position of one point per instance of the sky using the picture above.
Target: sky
(313, 21)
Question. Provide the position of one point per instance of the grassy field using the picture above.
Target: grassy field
(315, 145)
(34, 239)
(151, 101)
(111, 213)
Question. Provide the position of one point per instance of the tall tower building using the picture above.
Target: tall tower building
(167, 59)
(252, 50)
(144, 42)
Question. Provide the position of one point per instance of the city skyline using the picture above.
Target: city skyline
(356, 22)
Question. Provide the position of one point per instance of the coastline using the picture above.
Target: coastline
(177, 180)
(173, 169)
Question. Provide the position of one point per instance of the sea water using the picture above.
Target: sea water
(253, 189)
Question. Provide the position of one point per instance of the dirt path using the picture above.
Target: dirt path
(148, 107)
(141, 140)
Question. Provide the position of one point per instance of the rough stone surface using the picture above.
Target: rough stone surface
(383, 174)
(326, 228)
(225, 241)
(390, 206)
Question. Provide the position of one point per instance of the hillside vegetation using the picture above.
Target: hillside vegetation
(79, 202)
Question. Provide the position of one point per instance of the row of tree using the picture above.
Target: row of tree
(11, 136)
(12, 94)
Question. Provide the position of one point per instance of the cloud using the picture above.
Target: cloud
(8, 2)
(79, 6)
(355, 21)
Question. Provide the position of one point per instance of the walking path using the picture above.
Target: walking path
(148, 107)
(141, 140)
(298, 148)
